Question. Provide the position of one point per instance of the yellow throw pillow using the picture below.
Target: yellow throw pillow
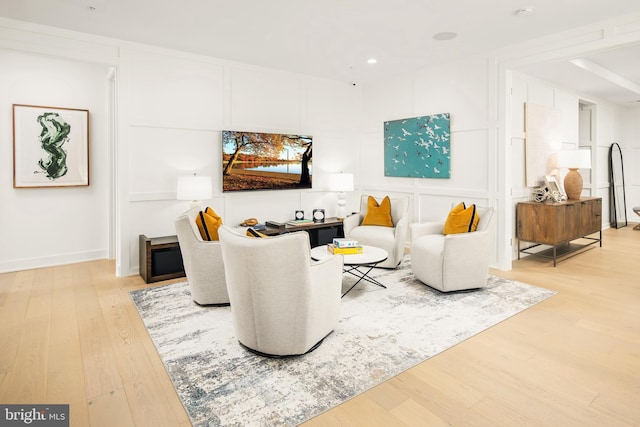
(208, 223)
(378, 214)
(254, 233)
(462, 220)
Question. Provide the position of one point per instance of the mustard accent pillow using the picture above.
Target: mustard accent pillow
(378, 214)
(462, 220)
(254, 233)
(208, 223)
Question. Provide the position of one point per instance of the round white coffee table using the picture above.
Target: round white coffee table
(353, 263)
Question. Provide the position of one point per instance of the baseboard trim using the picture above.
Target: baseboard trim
(51, 261)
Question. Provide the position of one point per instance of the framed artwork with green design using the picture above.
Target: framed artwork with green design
(50, 146)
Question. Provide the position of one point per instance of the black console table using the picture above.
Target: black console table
(320, 233)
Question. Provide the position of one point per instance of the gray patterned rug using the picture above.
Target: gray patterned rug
(381, 333)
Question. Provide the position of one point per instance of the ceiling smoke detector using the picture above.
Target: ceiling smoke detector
(445, 35)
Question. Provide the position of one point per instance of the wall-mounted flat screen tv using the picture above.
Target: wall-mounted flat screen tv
(265, 161)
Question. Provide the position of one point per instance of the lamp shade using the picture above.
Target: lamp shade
(194, 187)
(341, 182)
(574, 159)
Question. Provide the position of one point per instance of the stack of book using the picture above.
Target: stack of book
(344, 246)
(299, 221)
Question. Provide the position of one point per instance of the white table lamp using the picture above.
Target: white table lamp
(341, 182)
(195, 189)
(574, 160)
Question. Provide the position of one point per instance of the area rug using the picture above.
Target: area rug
(381, 333)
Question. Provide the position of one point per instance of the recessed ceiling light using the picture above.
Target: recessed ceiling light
(445, 35)
(525, 11)
(372, 61)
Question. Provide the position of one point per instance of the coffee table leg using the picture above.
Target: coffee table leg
(362, 276)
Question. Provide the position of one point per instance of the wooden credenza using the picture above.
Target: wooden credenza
(556, 224)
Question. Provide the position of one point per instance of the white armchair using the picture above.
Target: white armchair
(455, 261)
(202, 262)
(391, 239)
(282, 302)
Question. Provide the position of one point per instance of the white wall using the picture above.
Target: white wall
(465, 90)
(173, 108)
(49, 226)
(630, 145)
(170, 108)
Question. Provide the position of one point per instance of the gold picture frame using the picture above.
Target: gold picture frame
(50, 146)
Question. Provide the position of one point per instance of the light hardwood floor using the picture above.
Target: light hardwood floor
(71, 334)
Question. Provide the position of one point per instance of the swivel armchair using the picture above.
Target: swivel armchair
(392, 239)
(282, 302)
(202, 262)
(453, 262)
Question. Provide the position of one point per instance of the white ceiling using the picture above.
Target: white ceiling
(334, 38)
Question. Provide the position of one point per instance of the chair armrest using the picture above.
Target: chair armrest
(419, 229)
(472, 247)
(327, 271)
(351, 222)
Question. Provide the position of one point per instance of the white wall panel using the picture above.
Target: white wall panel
(387, 100)
(158, 156)
(48, 226)
(568, 104)
(172, 91)
(541, 94)
(266, 101)
(518, 101)
(332, 106)
(459, 88)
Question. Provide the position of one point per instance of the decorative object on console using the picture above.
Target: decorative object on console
(540, 194)
(419, 147)
(299, 215)
(275, 224)
(318, 215)
(195, 189)
(574, 160)
(341, 183)
(249, 222)
(50, 146)
(553, 188)
(265, 161)
(299, 221)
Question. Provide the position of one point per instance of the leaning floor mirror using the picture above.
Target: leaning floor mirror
(617, 198)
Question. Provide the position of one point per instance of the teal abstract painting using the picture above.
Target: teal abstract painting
(419, 147)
